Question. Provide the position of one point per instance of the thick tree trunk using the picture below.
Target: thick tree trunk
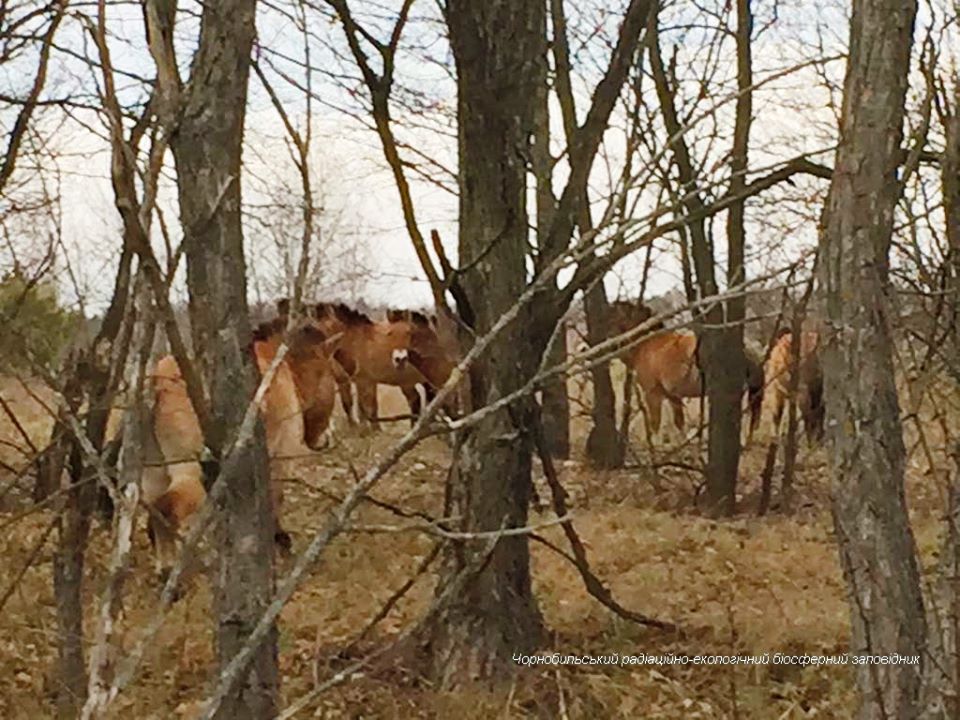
(207, 150)
(877, 549)
(495, 46)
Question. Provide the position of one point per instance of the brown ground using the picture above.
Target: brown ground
(751, 585)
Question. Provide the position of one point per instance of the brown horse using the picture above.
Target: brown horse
(778, 376)
(666, 366)
(404, 351)
(296, 410)
(432, 354)
(310, 359)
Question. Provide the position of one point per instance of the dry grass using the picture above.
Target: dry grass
(745, 586)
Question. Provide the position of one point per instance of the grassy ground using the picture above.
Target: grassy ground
(746, 586)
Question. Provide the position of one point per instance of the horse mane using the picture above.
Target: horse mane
(414, 317)
(349, 316)
(269, 328)
(298, 338)
(419, 318)
(637, 313)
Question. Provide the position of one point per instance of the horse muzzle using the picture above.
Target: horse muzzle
(400, 358)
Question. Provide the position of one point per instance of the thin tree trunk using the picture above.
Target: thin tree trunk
(877, 549)
(726, 364)
(68, 563)
(942, 681)
(605, 448)
(555, 401)
(94, 377)
(207, 151)
(720, 362)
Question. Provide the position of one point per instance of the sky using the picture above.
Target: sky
(365, 253)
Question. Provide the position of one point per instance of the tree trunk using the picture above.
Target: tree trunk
(555, 400)
(496, 46)
(720, 351)
(606, 448)
(68, 563)
(94, 375)
(950, 182)
(942, 679)
(877, 549)
(207, 150)
(726, 364)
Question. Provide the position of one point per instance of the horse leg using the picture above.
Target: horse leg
(653, 399)
(678, 420)
(281, 537)
(172, 511)
(367, 402)
(412, 394)
(346, 399)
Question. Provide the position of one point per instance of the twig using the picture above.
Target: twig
(593, 584)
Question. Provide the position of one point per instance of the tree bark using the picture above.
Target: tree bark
(94, 376)
(720, 348)
(725, 361)
(555, 401)
(943, 672)
(495, 46)
(877, 549)
(605, 447)
(207, 150)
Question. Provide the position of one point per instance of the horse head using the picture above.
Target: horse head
(626, 315)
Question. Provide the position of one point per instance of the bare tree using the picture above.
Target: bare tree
(497, 47)
(877, 549)
(206, 119)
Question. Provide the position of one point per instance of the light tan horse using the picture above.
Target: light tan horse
(172, 482)
(666, 366)
(778, 375)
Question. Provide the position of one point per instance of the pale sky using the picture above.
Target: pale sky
(362, 226)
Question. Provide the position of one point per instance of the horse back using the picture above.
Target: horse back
(668, 361)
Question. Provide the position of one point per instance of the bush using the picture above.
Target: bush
(36, 328)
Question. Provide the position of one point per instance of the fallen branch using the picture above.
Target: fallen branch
(593, 584)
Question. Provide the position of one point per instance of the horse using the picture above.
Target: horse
(666, 366)
(310, 359)
(778, 376)
(432, 354)
(400, 351)
(296, 410)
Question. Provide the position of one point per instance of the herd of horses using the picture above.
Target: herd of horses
(334, 350)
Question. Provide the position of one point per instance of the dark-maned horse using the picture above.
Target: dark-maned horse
(666, 366)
